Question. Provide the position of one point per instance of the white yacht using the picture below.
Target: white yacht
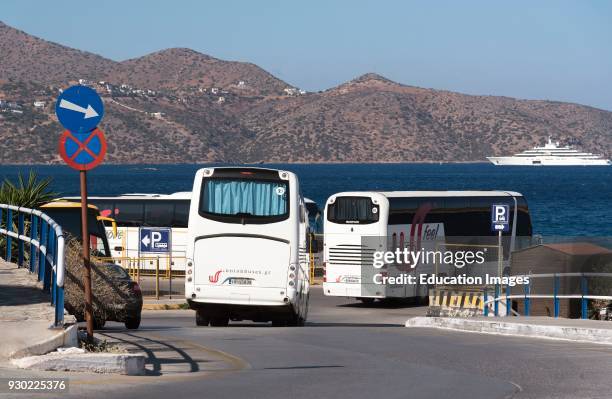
(551, 154)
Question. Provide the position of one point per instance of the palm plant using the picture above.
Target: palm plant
(29, 193)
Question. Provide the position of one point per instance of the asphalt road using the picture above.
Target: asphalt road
(347, 350)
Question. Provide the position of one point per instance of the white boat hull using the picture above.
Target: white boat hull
(547, 161)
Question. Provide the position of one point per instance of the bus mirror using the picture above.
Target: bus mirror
(113, 224)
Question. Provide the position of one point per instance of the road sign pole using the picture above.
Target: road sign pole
(86, 263)
(82, 146)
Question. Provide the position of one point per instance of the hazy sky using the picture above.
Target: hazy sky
(557, 50)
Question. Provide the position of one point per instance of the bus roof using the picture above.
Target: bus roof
(419, 194)
(66, 204)
(453, 193)
(183, 195)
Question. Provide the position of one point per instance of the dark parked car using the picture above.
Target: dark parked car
(115, 296)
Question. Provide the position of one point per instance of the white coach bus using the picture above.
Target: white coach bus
(247, 247)
(410, 219)
(134, 211)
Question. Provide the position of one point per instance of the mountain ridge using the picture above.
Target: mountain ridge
(178, 105)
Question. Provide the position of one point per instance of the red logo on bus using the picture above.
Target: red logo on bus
(214, 278)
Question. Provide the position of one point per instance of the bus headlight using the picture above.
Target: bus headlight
(291, 276)
(189, 264)
(291, 283)
(292, 268)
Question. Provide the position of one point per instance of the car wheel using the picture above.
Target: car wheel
(132, 323)
(98, 324)
(219, 321)
(202, 320)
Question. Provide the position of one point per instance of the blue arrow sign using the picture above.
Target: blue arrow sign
(79, 109)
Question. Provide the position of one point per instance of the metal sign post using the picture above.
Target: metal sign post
(500, 222)
(86, 262)
(79, 109)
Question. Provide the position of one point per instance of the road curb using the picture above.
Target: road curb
(64, 337)
(577, 334)
(164, 306)
(106, 363)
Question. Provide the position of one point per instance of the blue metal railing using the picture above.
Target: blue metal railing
(44, 245)
(584, 295)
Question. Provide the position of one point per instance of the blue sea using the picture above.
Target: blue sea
(564, 201)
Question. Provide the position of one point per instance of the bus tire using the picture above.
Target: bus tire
(367, 301)
(295, 320)
(279, 323)
(219, 321)
(201, 319)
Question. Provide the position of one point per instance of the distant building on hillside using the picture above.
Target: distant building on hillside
(39, 104)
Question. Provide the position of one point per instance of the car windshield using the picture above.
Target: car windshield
(70, 221)
(116, 271)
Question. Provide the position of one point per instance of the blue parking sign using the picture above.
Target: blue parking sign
(500, 217)
(154, 239)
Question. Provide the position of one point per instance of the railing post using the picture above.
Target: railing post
(508, 305)
(157, 279)
(49, 268)
(527, 288)
(9, 228)
(59, 307)
(20, 231)
(496, 303)
(42, 259)
(583, 300)
(170, 283)
(485, 299)
(33, 236)
(555, 294)
(1, 219)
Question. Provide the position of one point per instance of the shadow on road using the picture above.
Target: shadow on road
(160, 354)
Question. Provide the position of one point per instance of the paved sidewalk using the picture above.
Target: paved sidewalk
(593, 331)
(164, 303)
(25, 312)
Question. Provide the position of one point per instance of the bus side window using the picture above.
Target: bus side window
(158, 213)
(181, 214)
(129, 213)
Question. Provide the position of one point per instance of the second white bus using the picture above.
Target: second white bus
(359, 223)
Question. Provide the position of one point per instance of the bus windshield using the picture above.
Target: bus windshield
(352, 210)
(244, 201)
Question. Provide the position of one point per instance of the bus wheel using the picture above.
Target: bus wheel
(279, 323)
(295, 320)
(219, 321)
(202, 319)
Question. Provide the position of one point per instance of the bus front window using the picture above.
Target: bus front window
(245, 201)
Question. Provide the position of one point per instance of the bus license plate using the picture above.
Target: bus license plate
(240, 281)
